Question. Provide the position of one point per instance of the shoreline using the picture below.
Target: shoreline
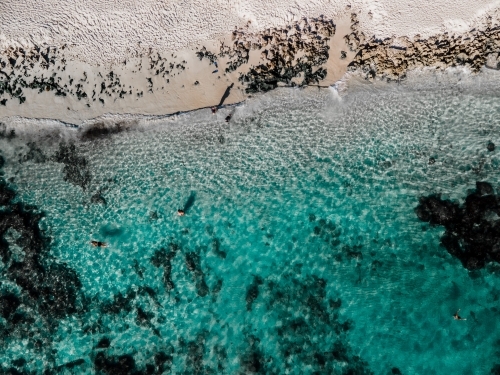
(352, 86)
(47, 83)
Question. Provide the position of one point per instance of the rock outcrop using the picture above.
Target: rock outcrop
(392, 58)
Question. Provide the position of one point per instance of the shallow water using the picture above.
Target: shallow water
(300, 251)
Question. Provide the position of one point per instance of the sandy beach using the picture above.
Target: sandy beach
(80, 62)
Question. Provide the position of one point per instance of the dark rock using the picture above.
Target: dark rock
(8, 305)
(491, 146)
(436, 211)
(472, 231)
(34, 154)
(6, 193)
(216, 249)
(253, 291)
(97, 198)
(120, 365)
(102, 130)
(76, 169)
(71, 365)
(103, 343)
(119, 303)
(163, 258)
(193, 265)
(20, 362)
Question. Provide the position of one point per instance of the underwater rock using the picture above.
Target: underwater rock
(254, 361)
(53, 286)
(6, 193)
(216, 249)
(102, 130)
(97, 198)
(472, 230)
(253, 291)
(34, 154)
(76, 169)
(103, 343)
(120, 365)
(307, 318)
(194, 351)
(491, 146)
(8, 305)
(193, 265)
(163, 258)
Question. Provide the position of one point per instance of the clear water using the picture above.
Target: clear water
(300, 186)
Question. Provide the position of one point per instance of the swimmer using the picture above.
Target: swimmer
(228, 118)
(458, 317)
(180, 212)
(98, 243)
(214, 110)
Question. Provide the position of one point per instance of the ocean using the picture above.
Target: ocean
(300, 251)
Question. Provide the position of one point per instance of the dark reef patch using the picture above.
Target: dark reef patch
(34, 154)
(163, 258)
(472, 230)
(103, 343)
(102, 130)
(253, 291)
(48, 290)
(193, 265)
(216, 249)
(76, 168)
(304, 310)
(54, 287)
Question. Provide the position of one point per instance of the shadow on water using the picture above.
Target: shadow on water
(111, 230)
(190, 202)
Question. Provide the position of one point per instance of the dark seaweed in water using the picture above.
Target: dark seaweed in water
(301, 336)
(216, 249)
(163, 258)
(47, 289)
(193, 265)
(76, 169)
(54, 287)
(253, 291)
(34, 154)
(472, 230)
(102, 130)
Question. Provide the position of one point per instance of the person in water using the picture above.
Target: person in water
(98, 243)
(180, 212)
(458, 317)
(214, 110)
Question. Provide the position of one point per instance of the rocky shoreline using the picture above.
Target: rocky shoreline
(228, 70)
(392, 58)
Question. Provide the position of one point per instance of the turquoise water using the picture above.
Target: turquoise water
(300, 251)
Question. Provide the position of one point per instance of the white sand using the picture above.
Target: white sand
(106, 30)
(102, 34)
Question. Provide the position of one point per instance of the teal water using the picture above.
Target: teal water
(300, 251)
